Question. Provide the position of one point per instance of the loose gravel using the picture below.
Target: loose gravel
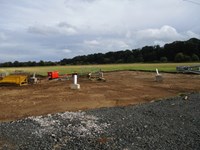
(173, 123)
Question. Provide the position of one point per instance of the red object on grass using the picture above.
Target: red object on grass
(53, 75)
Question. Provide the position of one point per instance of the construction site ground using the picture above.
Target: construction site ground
(120, 89)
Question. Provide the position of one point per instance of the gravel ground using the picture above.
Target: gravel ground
(173, 123)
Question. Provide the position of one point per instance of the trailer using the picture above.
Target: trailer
(18, 78)
(188, 69)
(15, 79)
(96, 76)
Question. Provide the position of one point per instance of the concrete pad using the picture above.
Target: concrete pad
(75, 86)
(159, 78)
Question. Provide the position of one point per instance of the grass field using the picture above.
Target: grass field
(81, 69)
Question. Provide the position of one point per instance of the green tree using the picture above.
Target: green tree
(131, 59)
(179, 57)
(163, 59)
(16, 64)
(187, 58)
(195, 57)
(41, 63)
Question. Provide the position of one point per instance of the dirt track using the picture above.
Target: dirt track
(120, 88)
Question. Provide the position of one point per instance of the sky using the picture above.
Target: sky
(50, 30)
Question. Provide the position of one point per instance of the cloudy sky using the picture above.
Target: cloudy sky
(55, 29)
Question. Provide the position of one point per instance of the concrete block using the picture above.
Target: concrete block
(75, 86)
(159, 78)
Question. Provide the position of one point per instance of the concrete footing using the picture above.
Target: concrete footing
(75, 86)
(159, 78)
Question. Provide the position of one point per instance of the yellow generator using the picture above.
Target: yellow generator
(15, 79)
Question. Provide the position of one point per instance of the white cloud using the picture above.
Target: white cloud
(165, 32)
(91, 42)
(2, 37)
(60, 29)
(109, 44)
(160, 36)
(66, 51)
(52, 30)
(191, 34)
(117, 44)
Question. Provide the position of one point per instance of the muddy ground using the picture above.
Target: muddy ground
(120, 89)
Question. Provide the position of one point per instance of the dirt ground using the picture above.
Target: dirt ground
(120, 89)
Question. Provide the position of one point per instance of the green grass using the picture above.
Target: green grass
(81, 69)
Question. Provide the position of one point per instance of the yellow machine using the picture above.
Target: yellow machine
(15, 79)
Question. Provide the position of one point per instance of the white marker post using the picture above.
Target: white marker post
(75, 86)
(75, 79)
(157, 72)
(159, 77)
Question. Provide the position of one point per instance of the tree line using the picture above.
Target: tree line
(178, 51)
(28, 64)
